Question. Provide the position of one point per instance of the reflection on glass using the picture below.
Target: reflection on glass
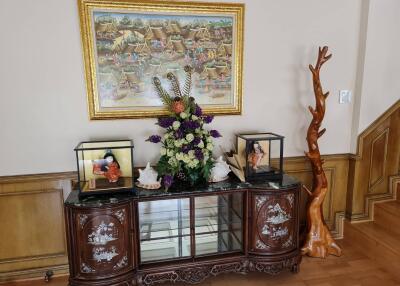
(218, 223)
(164, 229)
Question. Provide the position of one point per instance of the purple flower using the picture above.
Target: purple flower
(198, 154)
(178, 134)
(185, 149)
(168, 180)
(197, 111)
(165, 122)
(215, 133)
(196, 140)
(190, 124)
(208, 118)
(154, 138)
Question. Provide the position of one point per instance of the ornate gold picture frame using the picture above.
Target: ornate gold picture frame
(126, 43)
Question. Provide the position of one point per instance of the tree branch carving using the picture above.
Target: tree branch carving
(319, 242)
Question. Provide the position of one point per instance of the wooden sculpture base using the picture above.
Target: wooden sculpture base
(319, 242)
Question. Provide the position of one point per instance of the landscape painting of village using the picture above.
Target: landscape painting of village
(132, 48)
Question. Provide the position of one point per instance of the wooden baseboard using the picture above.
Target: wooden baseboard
(35, 273)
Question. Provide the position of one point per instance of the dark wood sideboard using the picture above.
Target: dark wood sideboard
(185, 235)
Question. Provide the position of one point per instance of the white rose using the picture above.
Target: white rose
(194, 117)
(176, 125)
(193, 163)
(210, 146)
(178, 143)
(191, 154)
(166, 135)
(197, 131)
(170, 153)
(179, 156)
(183, 115)
(186, 158)
(189, 137)
(163, 151)
(172, 161)
(201, 144)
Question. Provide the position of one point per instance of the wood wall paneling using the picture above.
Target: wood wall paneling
(32, 236)
(378, 160)
(376, 163)
(336, 169)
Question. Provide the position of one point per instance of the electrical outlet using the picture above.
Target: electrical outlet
(344, 96)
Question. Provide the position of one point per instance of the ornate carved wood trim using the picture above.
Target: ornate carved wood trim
(197, 273)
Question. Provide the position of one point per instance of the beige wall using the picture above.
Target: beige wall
(381, 82)
(377, 84)
(43, 112)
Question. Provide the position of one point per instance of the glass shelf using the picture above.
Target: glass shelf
(167, 226)
(203, 218)
(164, 234)
(223, 233)
(211, 243)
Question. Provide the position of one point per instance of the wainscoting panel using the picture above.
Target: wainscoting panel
(32, 236)
(375, 166)
(336, 169)
(378, 161)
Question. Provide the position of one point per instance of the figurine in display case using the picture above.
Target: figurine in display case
(258, 156)
(108, 167)
(104, 166)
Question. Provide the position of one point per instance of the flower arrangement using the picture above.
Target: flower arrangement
(186, 152)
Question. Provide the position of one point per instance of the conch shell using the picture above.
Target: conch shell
(148, 178)
(220, 171)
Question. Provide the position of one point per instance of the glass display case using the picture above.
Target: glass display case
(260, 155)
(104, 167)
(190, 227)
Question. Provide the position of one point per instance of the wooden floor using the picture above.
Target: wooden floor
(352, 268)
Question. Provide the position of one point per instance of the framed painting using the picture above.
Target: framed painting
(126, 43)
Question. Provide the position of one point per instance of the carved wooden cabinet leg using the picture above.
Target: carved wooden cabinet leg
(295, 268)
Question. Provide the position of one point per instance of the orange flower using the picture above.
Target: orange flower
(178, 106)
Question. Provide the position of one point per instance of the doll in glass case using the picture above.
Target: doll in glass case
(104, 166)
(256, 154)
(107, 167)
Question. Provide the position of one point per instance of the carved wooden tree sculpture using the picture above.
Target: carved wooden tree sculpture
(319, 242)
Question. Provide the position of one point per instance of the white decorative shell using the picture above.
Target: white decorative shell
(220, 171)
(148, 178)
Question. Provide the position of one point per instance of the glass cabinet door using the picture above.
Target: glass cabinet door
(164, 227)
(218, 223)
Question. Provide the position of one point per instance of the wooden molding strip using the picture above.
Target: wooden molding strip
(369, 208)
(38, 177)
(36, 273)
